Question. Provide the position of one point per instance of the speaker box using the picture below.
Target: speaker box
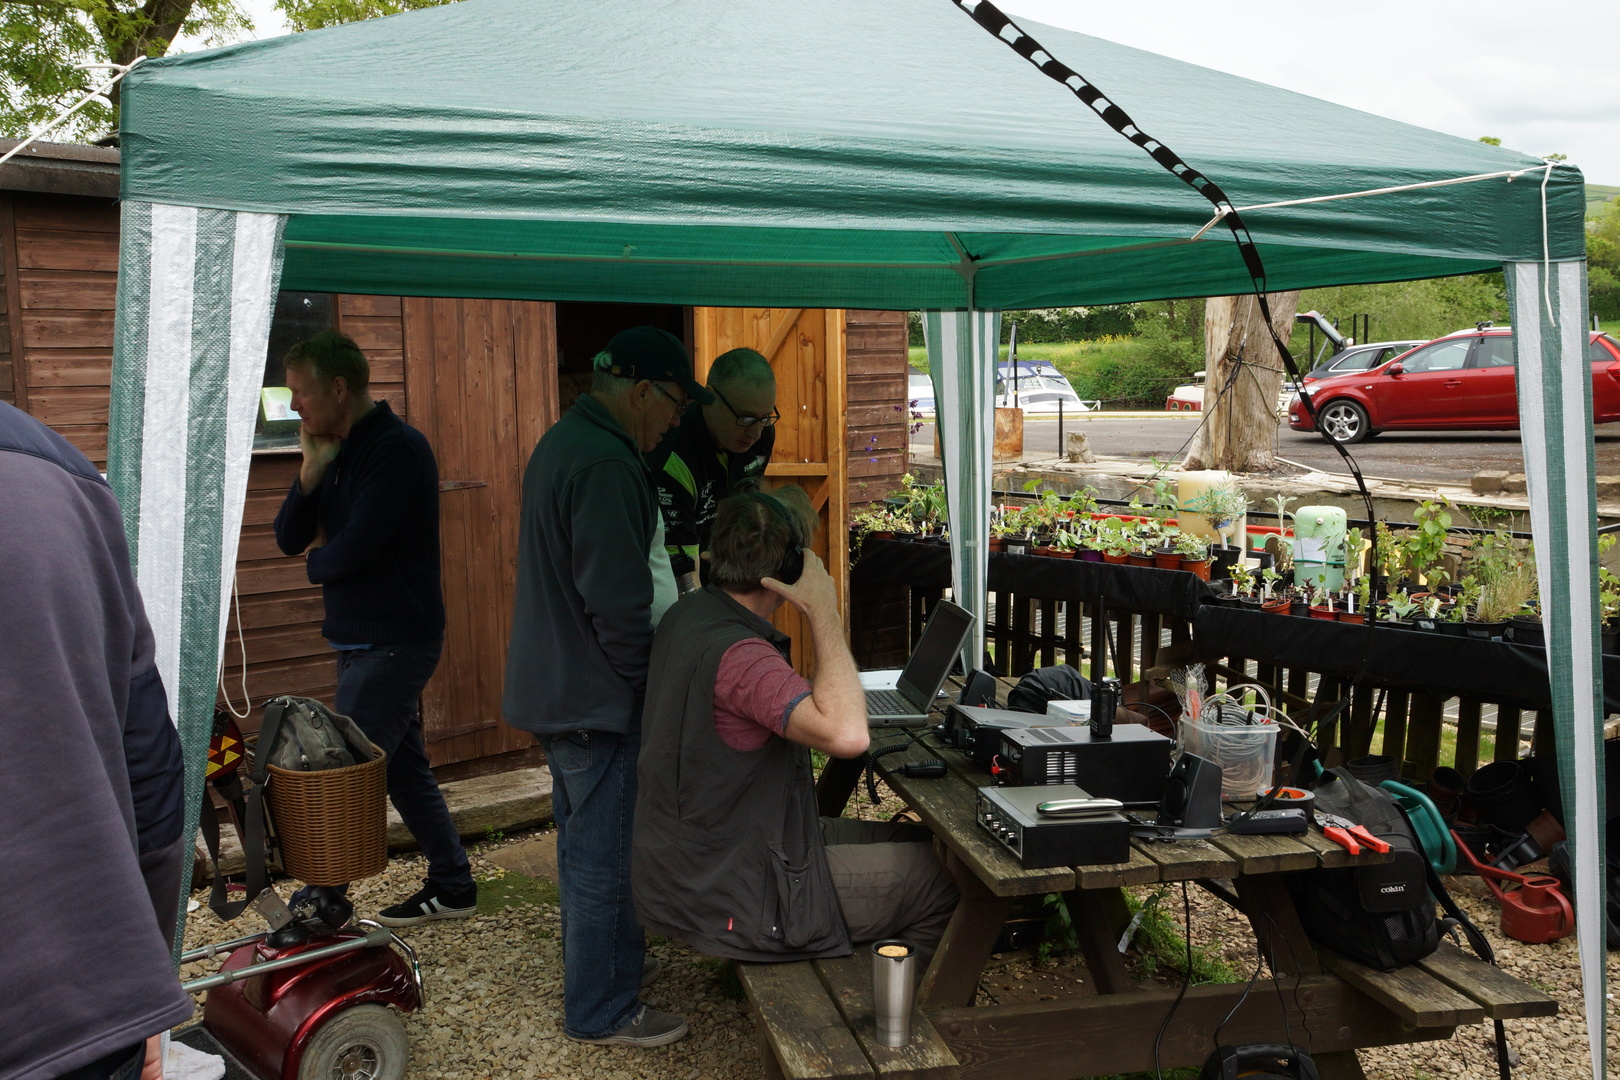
(1192, 798)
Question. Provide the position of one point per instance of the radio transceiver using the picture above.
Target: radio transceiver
(1055, 825)
(1131, 766)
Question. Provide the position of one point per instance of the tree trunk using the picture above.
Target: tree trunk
(1244, 377)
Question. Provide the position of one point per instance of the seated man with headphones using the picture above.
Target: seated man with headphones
(729, 853)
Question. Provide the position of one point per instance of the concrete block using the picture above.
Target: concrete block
(503, 802)
(1078, 448)
(536, 858)
(1488, 483)
(1514, 484)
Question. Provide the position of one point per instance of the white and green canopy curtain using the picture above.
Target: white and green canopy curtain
(1555, 409)
(962, 363)
(195, 293)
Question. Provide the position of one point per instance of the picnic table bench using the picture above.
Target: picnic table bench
(815, 1017)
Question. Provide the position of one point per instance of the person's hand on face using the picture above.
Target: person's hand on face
(319, 450)
(813, 593)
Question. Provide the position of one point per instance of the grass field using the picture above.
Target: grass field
(1598, 194)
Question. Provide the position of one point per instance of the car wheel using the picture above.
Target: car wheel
(1344, 422)
(365, 1042)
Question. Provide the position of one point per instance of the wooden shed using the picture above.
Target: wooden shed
(517, 364)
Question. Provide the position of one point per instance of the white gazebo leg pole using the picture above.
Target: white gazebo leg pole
(962, 362)
(1555, 409)
(196, 289)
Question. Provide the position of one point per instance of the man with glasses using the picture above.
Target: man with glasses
(715, 449)
(593, 580)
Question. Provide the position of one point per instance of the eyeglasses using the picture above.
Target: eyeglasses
(748, 421)
(680, 406)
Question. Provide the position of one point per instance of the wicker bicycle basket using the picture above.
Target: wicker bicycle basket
(332, 824)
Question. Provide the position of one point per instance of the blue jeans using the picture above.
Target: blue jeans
(593, 799)
(378, 687)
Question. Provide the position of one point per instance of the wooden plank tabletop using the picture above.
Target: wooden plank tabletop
(947, 806)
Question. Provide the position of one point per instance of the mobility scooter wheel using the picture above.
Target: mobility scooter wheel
(366, 1042)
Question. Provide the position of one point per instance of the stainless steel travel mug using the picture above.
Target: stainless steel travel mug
(894, 982)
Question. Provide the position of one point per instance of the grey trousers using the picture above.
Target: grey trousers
(889, 882)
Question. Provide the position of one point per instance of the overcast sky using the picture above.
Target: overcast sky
(1542, 78)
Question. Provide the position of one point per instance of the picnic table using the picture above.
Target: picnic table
(815, 1017)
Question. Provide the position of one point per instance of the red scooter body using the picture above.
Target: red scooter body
(267, 1021)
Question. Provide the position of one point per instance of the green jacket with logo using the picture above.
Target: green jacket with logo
(692, 477)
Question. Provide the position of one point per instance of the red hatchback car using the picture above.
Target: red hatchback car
(1463, 381)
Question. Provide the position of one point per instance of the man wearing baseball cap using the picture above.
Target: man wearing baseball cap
(593, 580)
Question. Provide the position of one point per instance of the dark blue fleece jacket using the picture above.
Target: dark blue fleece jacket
(378, 503)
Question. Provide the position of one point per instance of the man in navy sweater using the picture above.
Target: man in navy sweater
(365, 510)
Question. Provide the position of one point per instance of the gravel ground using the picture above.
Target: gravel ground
(495, 990)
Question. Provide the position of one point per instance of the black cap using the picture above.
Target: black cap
(646, 352)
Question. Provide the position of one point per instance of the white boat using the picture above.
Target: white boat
(1038, 388)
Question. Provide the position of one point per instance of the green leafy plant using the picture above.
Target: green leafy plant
(1192, 547)
(1242, 578)
(1388, 552)
(1279, 504)
(1223, 504)
(1608, 582)
(1401, 605)
(1425, 544)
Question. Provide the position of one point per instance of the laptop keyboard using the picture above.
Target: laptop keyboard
(888, 703)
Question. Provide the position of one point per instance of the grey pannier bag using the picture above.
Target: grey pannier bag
(307, 736)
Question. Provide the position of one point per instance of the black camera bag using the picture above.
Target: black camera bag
(1381, 914)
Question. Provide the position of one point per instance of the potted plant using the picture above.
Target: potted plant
(1427, 616)
(1111, 540)
(1357, 598)
(874, 521)
(1502, 593)
(1194, 552)
(1321, 604)
(998, 528)
(1427, 542)
(1144, 537)
(1278, 603)
(1224, 505)
(1524, 625)
(1401, 608)
(1167, 555)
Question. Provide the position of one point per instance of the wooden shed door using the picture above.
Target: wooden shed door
(481, 378)
(806, 348)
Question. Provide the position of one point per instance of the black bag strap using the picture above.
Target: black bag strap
(251, 814)
(1476, 941)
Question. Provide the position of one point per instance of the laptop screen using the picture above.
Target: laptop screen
(936, 650)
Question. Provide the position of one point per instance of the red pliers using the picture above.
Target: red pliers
(1348, 835)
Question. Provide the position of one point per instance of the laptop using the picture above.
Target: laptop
(903, 698)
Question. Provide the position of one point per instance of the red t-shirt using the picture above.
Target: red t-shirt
(755, 691)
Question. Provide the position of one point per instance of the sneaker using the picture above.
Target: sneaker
(651, 968)
(649, 1028)
(431, 903)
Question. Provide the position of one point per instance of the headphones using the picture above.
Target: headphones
(792, 564)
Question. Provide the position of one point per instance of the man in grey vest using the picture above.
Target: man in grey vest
(730, 855)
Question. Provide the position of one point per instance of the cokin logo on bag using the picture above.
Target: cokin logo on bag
(1392, 888)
